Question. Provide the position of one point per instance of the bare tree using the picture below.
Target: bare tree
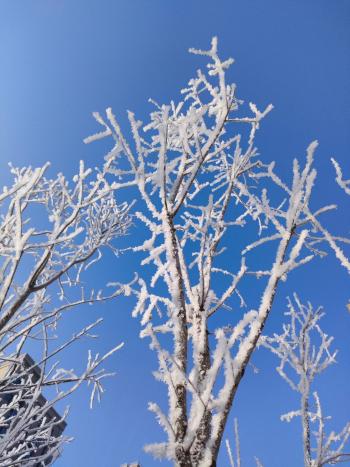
(207, 206)
(51, 231)
(304, 350)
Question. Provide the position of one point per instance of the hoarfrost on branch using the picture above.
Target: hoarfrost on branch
(51, 231)
(209, 202)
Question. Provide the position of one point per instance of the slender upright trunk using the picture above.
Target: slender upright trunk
(306, 429)
(180, 346)
(203, 432)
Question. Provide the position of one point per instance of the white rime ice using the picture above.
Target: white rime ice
(235, 460)
(51, 231)
(204, 190)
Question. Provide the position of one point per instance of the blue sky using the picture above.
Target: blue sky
(61, 60)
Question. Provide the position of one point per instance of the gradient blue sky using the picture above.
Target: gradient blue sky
(62, 59)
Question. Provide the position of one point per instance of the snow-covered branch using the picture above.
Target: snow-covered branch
(235, 460)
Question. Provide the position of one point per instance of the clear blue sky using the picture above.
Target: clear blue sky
(62, 59)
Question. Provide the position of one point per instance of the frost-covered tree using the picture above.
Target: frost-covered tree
(209, 202)
(304, 350)
(51, 231)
